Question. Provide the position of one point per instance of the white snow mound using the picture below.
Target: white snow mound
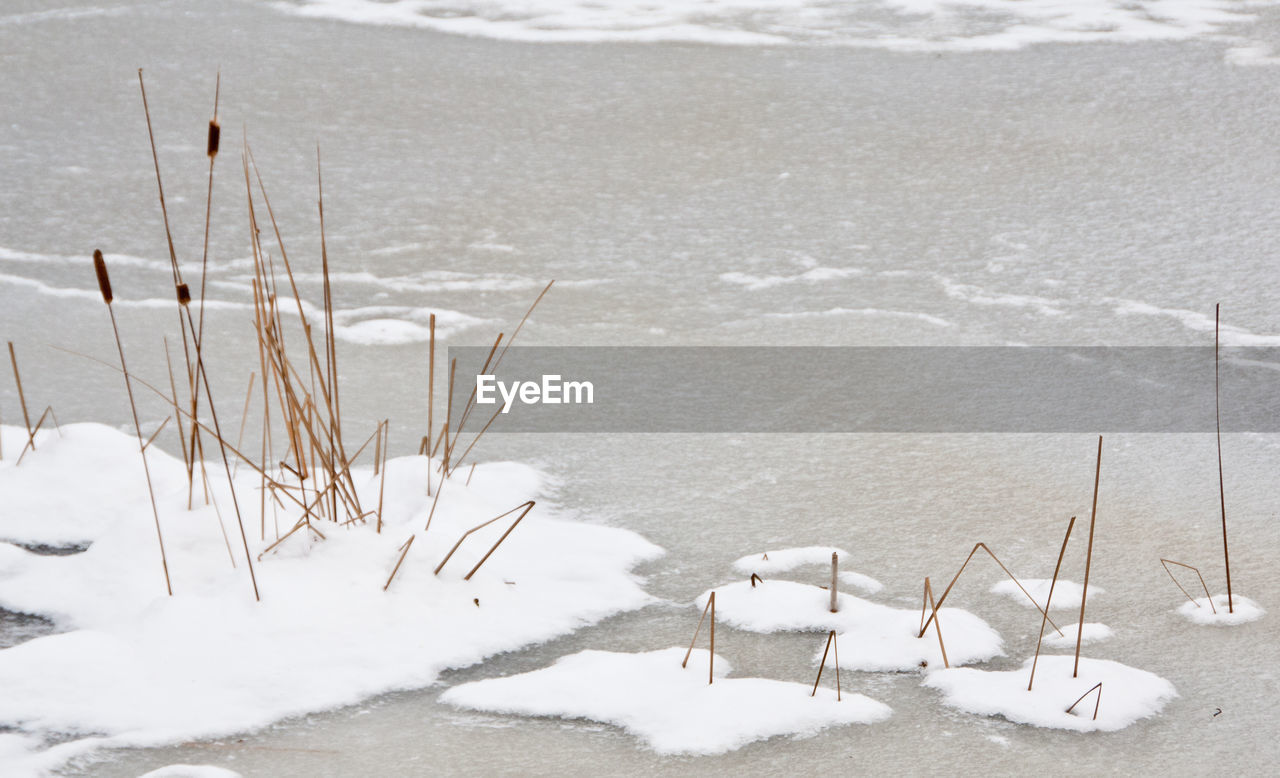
(672, 709)
(1093, 633)
(1066, 594)
(1199, 612)
(191, 771)
(782, 560)
(872, 637)
(1128, 694)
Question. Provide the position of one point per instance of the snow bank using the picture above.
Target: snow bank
(1128, 694)
(1066, 594)
(136, 667)
(1199, 612)
(872, 636)
(672, 709)
(1093, 633)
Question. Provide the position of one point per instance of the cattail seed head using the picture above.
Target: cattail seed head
(184, 294)
(104, 281)
(215, 134)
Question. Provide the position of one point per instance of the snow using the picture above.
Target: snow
(784, 559)
(1128, 694)
(136, 667)
(864, 583)
(1093, 633)
(1199, 612)
(1066, 594)
(191, 771)
(872, 637)
(672, 709)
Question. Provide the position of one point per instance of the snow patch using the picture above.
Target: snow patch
(1128, 694)
(1093, 633)
(191, 771)
(873, 637)
(1066, 594)
(672, 709)
(1199, 612)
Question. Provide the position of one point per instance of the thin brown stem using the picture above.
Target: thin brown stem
(1048, 600)
(1088, 560)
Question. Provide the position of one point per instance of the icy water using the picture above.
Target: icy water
(831, 187)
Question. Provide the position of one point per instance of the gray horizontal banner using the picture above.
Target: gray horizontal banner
(864, 389)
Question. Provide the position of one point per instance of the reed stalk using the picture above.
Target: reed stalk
(835, 581)
(1165, 564)
(104, 286)
(1096, 705)
(1222, 492)
(404, 551)
(1048, 600)
(22, 399)
(529, 506)
(1088, 560)
(526, 506)
(927, 603)
(1012, 577)
(831, 641)
(711, 665)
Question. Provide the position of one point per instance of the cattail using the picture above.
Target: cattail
(215, 134)
(184, 295)
(104, 281)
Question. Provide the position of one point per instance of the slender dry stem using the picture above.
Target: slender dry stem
(1048, 600)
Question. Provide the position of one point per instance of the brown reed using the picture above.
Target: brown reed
(1165, 564)
(1012, 577)
(1096, 705)
(1048, 600)
(831, 641)
(22, 399)
(104, 285)
(1222, 492)
(1088, 560)
(404, 551)
(711, 665)
(527, 506)
(927, 603)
